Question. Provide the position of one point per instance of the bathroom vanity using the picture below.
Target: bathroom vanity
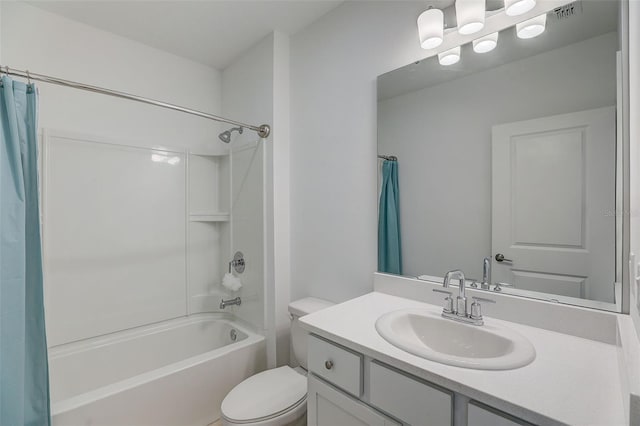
(357, 377)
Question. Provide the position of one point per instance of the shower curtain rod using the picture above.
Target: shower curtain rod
(262, 130)
(388, 157)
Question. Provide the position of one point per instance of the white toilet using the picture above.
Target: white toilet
(275, 397)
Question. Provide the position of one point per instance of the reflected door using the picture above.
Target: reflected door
(553, 204)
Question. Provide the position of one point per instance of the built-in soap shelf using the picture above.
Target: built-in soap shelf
(209, 231)
(209, 217)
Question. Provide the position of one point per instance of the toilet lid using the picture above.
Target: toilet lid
(265, 394)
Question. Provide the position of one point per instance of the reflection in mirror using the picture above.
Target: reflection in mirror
(510, 155)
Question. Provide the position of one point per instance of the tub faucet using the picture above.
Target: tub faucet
(461, 300)
(225, 303)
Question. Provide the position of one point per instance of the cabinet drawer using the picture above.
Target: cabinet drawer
(410, 400)
(336, 365)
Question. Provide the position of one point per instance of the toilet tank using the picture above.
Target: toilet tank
(297, 309)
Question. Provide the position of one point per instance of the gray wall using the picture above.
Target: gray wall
(442, 136)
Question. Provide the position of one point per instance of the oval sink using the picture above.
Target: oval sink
(428, 335)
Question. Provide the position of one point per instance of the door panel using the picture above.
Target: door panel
(553, 194)
(547, 176)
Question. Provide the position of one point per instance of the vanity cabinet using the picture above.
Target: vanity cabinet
(348, 389)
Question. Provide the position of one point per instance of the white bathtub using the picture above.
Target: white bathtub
(173, 373)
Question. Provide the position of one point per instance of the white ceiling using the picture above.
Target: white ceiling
(212, 32)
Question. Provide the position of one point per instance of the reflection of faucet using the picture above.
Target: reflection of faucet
(486, 274)
(461, 301)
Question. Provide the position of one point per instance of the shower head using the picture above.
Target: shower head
(226, 135)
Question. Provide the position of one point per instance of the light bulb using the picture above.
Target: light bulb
(470, 15)
(485, 44)
(532, 27)
(449, 57)
(518, 7)
(431, 28)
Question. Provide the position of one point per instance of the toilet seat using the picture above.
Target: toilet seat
(279, 392)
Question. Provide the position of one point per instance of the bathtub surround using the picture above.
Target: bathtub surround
(24, 379)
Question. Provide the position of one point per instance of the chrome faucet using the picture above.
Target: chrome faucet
(461, 300)
(225, 303)
(459, 311)
(486, 274)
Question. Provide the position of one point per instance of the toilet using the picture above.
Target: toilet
(278, 396)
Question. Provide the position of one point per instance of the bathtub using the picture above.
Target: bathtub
(173, 373)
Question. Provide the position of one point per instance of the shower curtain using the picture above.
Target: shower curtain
(24, 379)
(389, 250)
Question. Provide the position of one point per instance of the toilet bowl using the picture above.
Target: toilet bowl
(275, 397)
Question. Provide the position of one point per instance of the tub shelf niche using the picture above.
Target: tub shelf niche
(208, 220)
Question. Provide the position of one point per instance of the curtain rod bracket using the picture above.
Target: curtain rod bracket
(264, 131)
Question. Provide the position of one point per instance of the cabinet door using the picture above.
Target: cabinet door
(409, 399)
(327, 406)
(479, 415)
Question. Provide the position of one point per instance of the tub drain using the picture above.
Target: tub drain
(233, 334)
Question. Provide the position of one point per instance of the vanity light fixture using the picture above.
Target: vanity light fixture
(449, 57)
(485, 44)
(518, 7)
(532, 27)
(470, 15)
(431, 28)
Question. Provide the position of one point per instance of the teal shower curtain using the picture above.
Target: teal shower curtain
(24, 378)
(389, 248)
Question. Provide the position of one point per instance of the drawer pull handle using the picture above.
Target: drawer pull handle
(328, 365)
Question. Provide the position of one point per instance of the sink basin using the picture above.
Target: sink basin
(428, 335)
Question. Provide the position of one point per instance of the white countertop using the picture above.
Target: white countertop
(572, 380)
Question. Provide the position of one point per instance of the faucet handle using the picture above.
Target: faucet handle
(448, 301)
(499, 286)
(476, 309)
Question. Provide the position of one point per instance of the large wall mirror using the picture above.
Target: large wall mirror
(513, 155)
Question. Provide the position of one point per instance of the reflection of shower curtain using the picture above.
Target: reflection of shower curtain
(389, 250)
(24, 382)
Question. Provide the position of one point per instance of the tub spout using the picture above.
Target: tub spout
(225, 303)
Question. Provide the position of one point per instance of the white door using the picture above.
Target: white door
(553, 204)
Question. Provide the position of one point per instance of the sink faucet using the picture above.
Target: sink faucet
(461, 300)
(459, 311)
(486, 274)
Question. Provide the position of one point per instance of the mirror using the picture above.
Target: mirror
(510, 155)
